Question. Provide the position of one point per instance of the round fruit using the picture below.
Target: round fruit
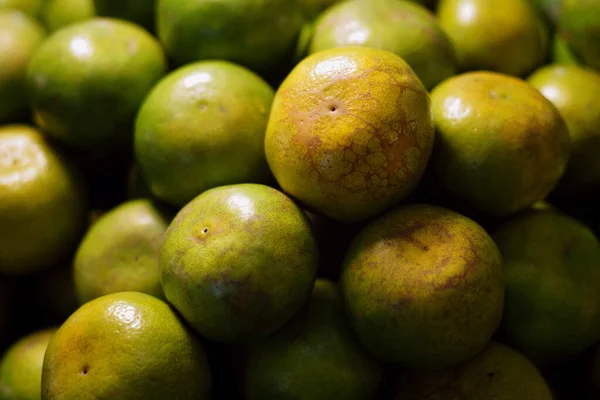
(238, 262)
(125, 346)
(42, 202)
(579, 26)
(407, 29)
(57, 14)
(20, 37)
(255, 33)
(30, 7)
(350, 132)
(552, 305)
(423, 287)
(21, 367)
(120, 252)
(507, 36)
(88, 80)
(314, 357)
(203, 126)
(140, 12)
(575, 91)
(501, 146)
(498, 372)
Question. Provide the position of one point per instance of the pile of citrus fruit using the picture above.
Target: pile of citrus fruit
(299, 199)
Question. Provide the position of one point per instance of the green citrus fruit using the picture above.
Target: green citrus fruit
(141, 12)
(552, 305)
(120, 252)
(500, 146)
(203, 126)
(238, 262)
(255, 33)
(579, 26)
(20, 36)
(507, 36)
(575, 91)
(407, 29)
(57, 14)
(88, 80)
(42, 202)
(423, 287)
(350, 132)
(30, 7)
(498, 372)
(125, 346)
(21, 367)
(314, 357)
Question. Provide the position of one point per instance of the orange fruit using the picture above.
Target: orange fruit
(203, 126)
(500, 146)
(238, 262)
(350, 132)
(125, 346)
(423, 287)
(21, 367)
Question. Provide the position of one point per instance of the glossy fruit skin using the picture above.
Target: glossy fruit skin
(552, 307)
(141, 12)
(575, 91)
(314, 357)
(423, 287)
(350, 132)
(498, 372)
(500, 146)
(141, 350)
(406, 29)
(20, 36)
(579, 26)
(203, 126)
(29, 7)
(238, 262)
(507, 36)
(57, 14)
(119, 253)
(88, 80)
(257, 34)
(21, 367)
(43, 202)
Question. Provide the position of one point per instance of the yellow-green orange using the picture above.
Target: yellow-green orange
(125, 346)
(575, 91)
(120, 251)
(501, 146)
(20, 36)
(314, 357)
(407, 29)
(21, 367)
(238, 262)
(498, 372)
(255, 33)
(552, 305)
(506, 36)
(87, 81)
(423, 287)
(350, 132)
(42, 202)
(30, 7)
(57, 14)
(203, 126)
(579, 26)
(141, 12)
